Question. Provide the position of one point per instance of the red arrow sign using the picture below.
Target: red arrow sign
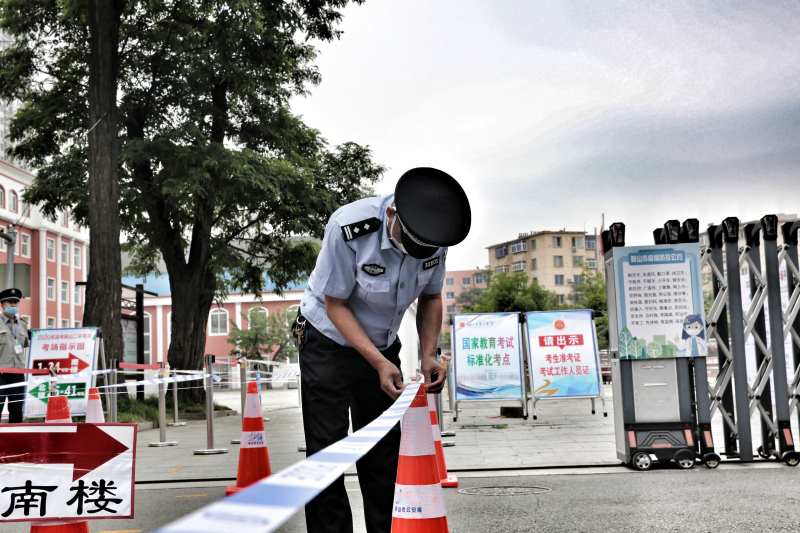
(65, 365)
(86, 446)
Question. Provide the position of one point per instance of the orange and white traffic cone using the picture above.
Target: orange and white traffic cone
(58, 412)
(418, 496)
(447, 481)
(94, 410)
(253, 453)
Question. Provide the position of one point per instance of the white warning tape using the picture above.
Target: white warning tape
(289, 375)
(266, 505)
(62, 377)
(156, 381)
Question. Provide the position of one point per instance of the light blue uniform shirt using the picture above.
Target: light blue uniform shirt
(378, 280)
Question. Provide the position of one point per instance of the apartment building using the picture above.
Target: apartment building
(554, 259)
(456, 282)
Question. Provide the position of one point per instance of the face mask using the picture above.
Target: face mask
(391, 236)
(11, 311)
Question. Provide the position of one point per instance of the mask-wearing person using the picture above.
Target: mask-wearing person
(13, 341)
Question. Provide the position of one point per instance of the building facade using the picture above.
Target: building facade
(456, 282)
(51, 256)
(554, 259)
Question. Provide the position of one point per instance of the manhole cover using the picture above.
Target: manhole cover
(503, 491)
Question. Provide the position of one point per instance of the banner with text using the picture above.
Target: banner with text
(67, 351)
(660, 309)
(562, 354)
(487, 364)
(54, 471)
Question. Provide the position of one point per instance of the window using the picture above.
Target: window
(64, 218)
(450, 295)
(76, 226)
(65, 292)
(744, 271)
(560, 299)
(479, 279)
(76, 295)
(533, 264)
(2, 245)
(12, 201)
(77, 324)
(146, 335)
(519, 246)
(591, 263)
(449, 281)
(577, 242)
(26, 209)
(518, 266)
(25, 244)
(536, 280)
(703, 238)
(577, 261)
(451, 308)
(558, 260)
(51, 249)
(64, 323)
(76, 257)
(51, 322)
(577, 279)
(741, 234)
(501, 251)
(590, 244)
(533, 244)
(2, 197)
(65, 253)
(51, 291)
(559, 280)
(219, 321)
(251, 314)
(500, 269)
(556, 242)
(466, 281)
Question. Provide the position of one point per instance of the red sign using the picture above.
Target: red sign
(87, 448)
(560, 340)
(64, 365)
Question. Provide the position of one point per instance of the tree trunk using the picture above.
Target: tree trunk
(104, 290)
(192, 296)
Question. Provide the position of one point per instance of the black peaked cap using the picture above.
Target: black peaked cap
(433, 208)
(10, 294)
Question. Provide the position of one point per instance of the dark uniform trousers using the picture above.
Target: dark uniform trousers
(335, 378)
(15, 396)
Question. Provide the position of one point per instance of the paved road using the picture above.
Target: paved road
(759, 497)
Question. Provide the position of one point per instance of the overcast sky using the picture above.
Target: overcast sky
(550, 115)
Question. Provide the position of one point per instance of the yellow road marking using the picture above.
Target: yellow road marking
(281, 430)
(174, 469)
(191, 495)
(269, 435)
(291, 427)
(201, 458)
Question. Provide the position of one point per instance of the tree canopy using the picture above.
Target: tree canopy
(266, 335)
(216, 174)
(591, 294)
(512, 293)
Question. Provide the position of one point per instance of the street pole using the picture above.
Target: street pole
(11, 239)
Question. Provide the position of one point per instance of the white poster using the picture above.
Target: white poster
(53, 471)
(129, 341)
(67, 351)
(487, 361)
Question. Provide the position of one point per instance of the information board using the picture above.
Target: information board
(53, 471)
(129, 337)
(660, 301)
(68, 351)
(487, 362)
(562, 354)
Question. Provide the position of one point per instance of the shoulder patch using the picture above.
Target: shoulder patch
(359, 229)
(373, 269)
(430, 263)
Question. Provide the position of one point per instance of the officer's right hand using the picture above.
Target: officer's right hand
(391, 380)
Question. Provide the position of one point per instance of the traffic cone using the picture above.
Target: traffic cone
(94, 410)
(58, 412)
(418, 496)
(447, 481)
(253, 453)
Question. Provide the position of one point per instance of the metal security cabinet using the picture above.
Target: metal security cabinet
(656, 411)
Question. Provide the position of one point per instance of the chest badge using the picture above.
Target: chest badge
(430, 263)
(373, 269)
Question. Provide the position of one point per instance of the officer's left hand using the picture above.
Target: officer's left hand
(431, 369)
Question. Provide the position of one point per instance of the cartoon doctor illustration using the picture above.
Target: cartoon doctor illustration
(693, 339)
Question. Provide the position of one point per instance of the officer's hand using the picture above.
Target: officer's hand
(391, 380)
(434, 373)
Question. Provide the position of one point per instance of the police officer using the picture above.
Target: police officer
(13, 339)
(378, 256)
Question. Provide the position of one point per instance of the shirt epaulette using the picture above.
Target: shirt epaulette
(359, 229)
